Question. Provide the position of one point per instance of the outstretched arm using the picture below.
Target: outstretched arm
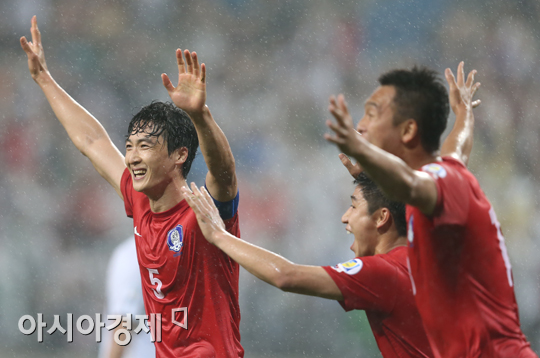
(459, 142)
(190, 95)
(398, 181)
(266, 265)
(83, 129)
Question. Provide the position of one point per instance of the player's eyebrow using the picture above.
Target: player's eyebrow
(353, 198)
(370, 103)
(147, 139)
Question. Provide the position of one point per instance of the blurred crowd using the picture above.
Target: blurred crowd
(271, 66)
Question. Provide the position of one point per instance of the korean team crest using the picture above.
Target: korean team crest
(436, 170)
(350, 267)
(175, 238)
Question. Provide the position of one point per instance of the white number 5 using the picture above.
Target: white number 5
(156, 281)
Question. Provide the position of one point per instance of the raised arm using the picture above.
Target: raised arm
(398, 181)
(266, 265)
(190, 95)
(83, 129)
(459, 142)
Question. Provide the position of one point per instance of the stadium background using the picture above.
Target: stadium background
(271, 67)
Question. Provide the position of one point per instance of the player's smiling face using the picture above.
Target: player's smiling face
(362, 225)
(377, 124)
(152, 168)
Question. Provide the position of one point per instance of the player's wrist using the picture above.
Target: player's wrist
(44, 79)
(218, 236)
(199, 114)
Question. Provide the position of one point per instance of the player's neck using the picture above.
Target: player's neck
(389, 243)
(417, 158)
(168, 197)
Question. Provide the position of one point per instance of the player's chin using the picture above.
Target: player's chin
(139, 187)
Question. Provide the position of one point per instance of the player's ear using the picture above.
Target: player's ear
(180, 155)
(383, 220)
(409, 132)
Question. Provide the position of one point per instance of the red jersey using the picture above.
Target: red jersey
(381, 286)
(461, 273)
(180, 269)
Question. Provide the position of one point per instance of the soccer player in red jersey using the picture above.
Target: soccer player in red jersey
(376, 281)
(461, 274)
(190, 282)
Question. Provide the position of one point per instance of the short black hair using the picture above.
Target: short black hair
(173, 123)
(376, 200)
(420, 95)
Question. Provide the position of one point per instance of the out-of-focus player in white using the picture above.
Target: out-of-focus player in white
(186, 280)
(123, 294)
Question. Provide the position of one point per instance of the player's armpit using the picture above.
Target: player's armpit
(423, 193)
(309, 280)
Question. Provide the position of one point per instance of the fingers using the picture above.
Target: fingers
(475, 87)
(33, 60)
(338, 109)
(207, 197)
(460, 74)
(337, 128)
(334, 139)
(167, 82)
(476, 103)
(342, 104)
(189, 62)
(203, 73)
(195, 60)
(354, 170)
(180, 61)
(202, 198)
(450, 79)
(470, 78)
(36, 35)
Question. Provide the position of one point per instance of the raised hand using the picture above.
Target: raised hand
(34, 51)
(345, 136)
(207, 214)
(461, 93)
(190, 93)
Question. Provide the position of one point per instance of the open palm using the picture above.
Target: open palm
(34, 50)
(190, 93)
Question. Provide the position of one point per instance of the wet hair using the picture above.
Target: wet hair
(172, 123)
(420, 95)
(377, 200)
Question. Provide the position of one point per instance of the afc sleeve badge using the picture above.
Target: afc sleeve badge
(175, 238)
(350, 267)
(436, 170)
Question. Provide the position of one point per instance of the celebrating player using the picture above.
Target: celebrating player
(461, 273)
(377, 280)
(185, 279)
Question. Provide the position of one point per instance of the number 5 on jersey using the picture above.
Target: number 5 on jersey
(156, 281)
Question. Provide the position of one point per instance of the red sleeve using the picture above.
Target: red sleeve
(126, 186)
(366, 284)
(453, 192)
(232, 225)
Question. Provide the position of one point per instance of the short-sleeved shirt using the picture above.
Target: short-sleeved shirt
(124, 296)
(462, 278)
(180, 269)
(381, 286)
